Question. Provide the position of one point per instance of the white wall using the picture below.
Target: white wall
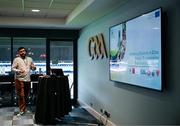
(130, 104)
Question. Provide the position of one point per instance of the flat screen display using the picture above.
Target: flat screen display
(135, 51)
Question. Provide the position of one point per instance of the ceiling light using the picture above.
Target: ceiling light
(35, 10)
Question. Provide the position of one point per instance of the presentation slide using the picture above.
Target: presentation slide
(135, 51)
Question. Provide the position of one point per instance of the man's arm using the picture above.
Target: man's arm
(14, 66)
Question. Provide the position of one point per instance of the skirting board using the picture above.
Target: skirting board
(97, 115)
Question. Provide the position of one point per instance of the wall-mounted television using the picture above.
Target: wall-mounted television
(135, 51)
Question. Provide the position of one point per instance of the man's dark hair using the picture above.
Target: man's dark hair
(21, 48)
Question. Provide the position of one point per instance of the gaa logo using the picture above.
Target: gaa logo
(97, 48)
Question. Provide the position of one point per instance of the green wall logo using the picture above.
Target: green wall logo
(97, 47)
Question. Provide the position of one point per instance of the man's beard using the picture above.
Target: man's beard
(23, 56)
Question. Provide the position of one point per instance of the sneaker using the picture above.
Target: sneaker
(20, 114)
(27, 111)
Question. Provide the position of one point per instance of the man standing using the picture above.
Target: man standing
(22, 66)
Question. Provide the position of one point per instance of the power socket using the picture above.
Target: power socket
(107, 114)
(102, 111)
(91, 104)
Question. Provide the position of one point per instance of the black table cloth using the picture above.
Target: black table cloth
(53, 99)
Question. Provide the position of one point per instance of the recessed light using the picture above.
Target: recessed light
(35, 10)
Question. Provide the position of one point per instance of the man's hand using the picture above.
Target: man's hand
(21, 71)
(33, 67)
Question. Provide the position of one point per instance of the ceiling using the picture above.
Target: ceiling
(72, 14)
